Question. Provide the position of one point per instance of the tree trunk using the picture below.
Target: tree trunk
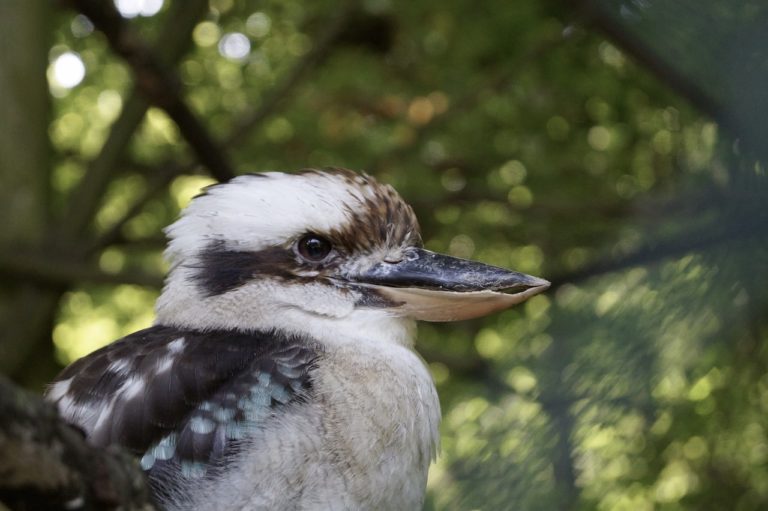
(26, 309)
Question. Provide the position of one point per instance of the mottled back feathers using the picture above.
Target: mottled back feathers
(182, 400)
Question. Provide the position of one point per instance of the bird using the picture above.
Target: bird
(280, 372)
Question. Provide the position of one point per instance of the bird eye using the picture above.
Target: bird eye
(314, 248)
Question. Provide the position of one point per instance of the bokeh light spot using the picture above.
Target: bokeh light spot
(440, 101)
(440, 372)
(462, 246)
(453, 179)
(279, 130)
(67, 70)
(521, 379)
(695, 448)
(488, 343)
(513, 172)
(258, 24)
(611, 55)
(81, 26)
(558, 128)
(234, 46)
(662, 142)
(112, 260)
(206, 34)
(606, 301)
(520, 196)
(599, 138)
(133, 8)
(109, 104)
(420, 111)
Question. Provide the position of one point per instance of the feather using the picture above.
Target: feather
(182, 399)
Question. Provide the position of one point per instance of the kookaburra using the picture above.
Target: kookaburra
(281, 372)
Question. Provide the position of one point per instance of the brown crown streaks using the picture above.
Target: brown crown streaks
(380, 218)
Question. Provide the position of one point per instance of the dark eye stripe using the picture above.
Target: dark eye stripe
(221, 270)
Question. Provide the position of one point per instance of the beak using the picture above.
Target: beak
(435, 287)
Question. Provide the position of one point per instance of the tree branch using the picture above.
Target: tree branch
(57, 270)
(156, 81)
(46, 464)
(248, 122)
(745, 227)
(319, 52)
(157, 181)
(87, 197)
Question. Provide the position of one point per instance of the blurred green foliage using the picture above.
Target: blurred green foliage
(522, 141)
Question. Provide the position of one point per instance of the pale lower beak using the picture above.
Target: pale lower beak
(435, 287)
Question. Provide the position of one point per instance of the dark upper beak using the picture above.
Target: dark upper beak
(437, 287)
(429, 270)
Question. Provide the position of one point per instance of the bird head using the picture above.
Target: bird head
(319, 251)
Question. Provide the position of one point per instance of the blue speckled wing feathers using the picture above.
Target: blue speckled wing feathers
(183, 400)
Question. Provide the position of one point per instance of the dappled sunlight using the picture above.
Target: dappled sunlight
(486, 445)
(521, 139)
(160, 128)
(92, 318)
(109, 104)
(119, 198)
(184, 188)
(615, 448)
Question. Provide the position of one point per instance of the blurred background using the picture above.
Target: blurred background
(615, 147)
